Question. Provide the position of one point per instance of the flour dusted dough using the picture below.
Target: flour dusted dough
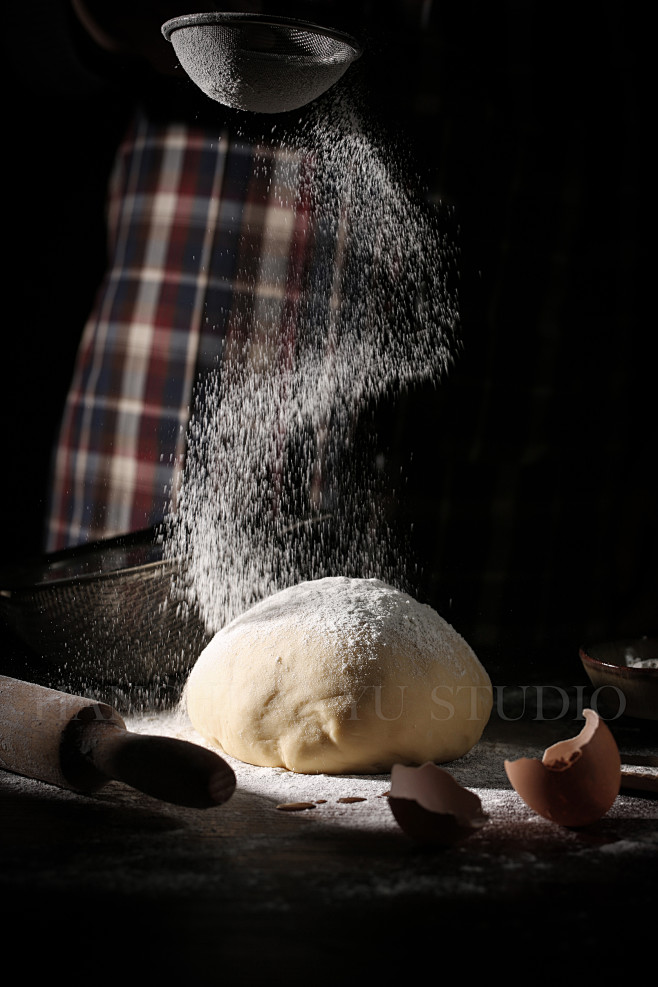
(336, 676)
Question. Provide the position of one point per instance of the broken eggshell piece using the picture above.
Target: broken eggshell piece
(431, 807)
(576, 781)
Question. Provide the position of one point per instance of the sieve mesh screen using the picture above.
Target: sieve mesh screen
(259, 64)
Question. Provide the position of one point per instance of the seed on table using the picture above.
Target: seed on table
(295, 806)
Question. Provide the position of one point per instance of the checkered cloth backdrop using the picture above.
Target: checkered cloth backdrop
(201, 227)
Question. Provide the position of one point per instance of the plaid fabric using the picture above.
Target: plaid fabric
(203, 230)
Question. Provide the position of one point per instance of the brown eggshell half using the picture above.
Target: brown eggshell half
(431, 807)
(576, 781)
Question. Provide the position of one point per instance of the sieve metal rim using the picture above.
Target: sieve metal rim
(41, 575)
(40, 588)
(219, 17)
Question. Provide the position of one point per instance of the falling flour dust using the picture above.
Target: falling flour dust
(273, 488)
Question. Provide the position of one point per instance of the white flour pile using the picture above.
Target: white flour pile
(272, 491)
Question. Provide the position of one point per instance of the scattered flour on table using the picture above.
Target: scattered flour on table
(513, 830)
(284, 787)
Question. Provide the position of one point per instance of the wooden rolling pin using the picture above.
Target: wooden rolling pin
(81, 745)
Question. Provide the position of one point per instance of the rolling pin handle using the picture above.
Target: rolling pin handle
(163, 767)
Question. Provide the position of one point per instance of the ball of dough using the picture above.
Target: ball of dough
(339, 676)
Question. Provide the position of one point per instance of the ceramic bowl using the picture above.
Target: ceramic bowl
(626, 673)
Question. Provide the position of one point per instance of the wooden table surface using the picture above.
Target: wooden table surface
(119, 884)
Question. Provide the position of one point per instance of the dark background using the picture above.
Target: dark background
(529, 470)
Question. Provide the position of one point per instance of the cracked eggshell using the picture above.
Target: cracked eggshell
(576, 781)
(431, 807)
